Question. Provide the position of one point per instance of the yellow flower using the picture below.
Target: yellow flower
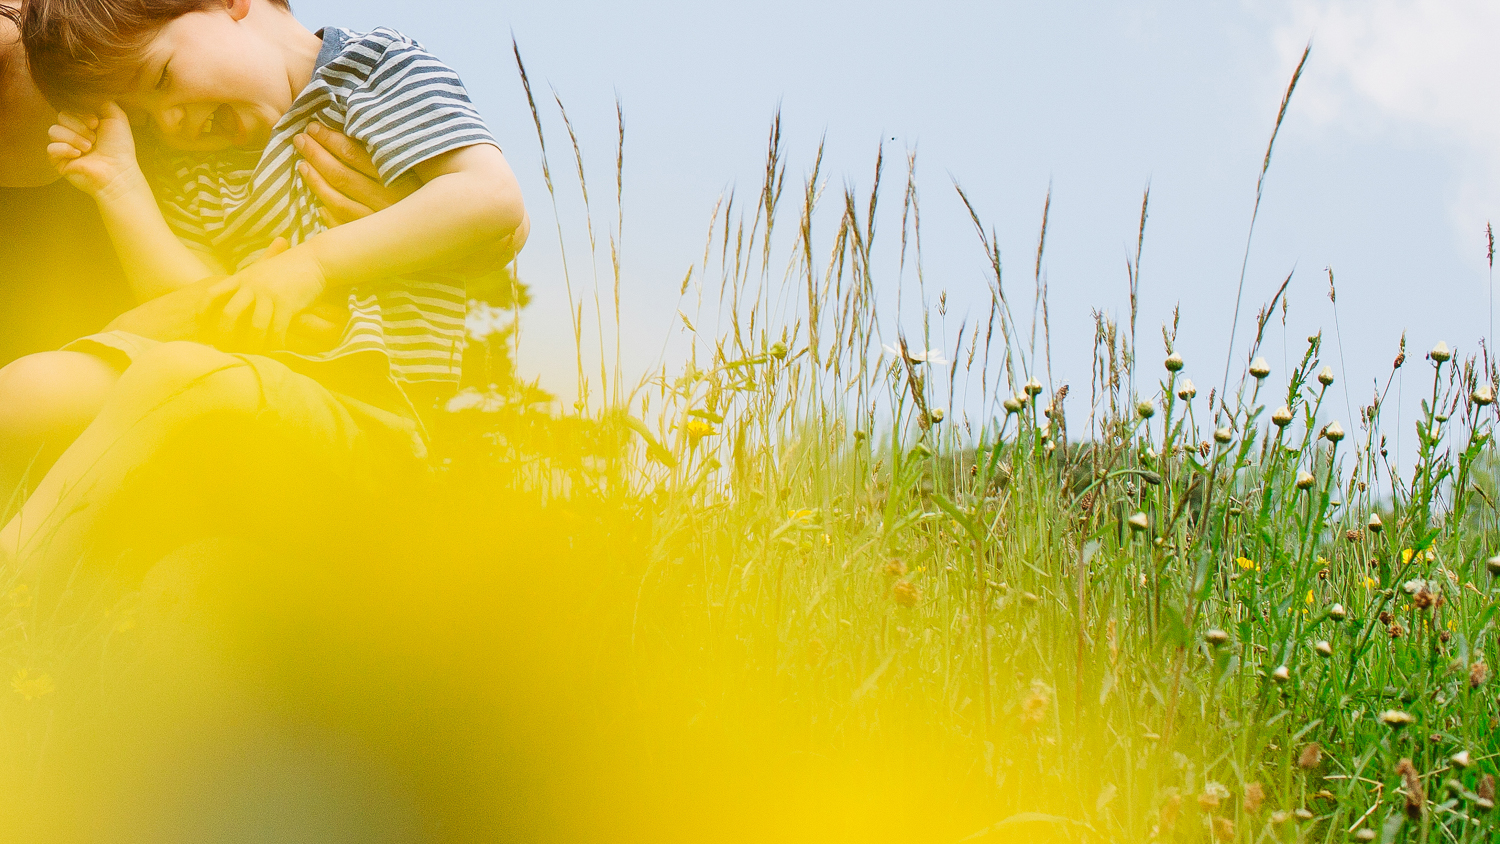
(1406, 556)
(1247, 563)
(697, 429)
(29, 687)
(1309, 596)
(1369, 583)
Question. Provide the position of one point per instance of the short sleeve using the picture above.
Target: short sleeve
(410, 107)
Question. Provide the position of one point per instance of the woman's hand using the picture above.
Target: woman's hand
(340, 172)
(96, 153)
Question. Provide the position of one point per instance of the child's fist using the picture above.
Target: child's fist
(96, 153)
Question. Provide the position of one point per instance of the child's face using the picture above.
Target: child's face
(209, 83)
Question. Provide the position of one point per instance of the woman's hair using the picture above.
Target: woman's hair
(83, 52)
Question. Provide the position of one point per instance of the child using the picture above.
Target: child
(229, 86)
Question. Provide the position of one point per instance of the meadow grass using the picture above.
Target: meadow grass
(810, 588)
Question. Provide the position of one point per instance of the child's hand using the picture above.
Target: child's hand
(94, 153)
(271, 292)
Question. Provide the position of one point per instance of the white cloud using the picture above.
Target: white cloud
(1425, 70)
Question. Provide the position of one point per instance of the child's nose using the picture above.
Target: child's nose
(169, 120)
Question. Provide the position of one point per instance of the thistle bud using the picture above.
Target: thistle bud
(1324, 649)
(1033, 386)
(1012, 404)
(1305, 480)
(1282, 417)
(1325, 377)
(1493, 565)
(1460, 759)
(1396, 719)
(1334, 432)
(1139, 522)
(778, 350)
(1375, 524)
(1146, 409)
(1216, 637)
(1223, 435)
(1303, 815)
(1482, 395)
(1173, 362)
(1336, 612)
(1259, 368)
(1044, 433)
(1364, 833)
(1281, 674)
(936, 416)
(1440, 352)
(1187, 390)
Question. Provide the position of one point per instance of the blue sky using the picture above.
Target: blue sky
(1386, 170)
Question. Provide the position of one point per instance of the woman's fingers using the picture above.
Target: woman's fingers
(346, 148)
(334, 200)
(350, 183)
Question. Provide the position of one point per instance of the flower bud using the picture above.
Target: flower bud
(1364, 834)
(1493, 565)
(1336, 612)
(1146, 409)
(1139, 522)
(1282, 417)
(1032, 387)
(1187, 390)
(1323, 649)
(1012, 404)
(1334, 432)
(1460, 759)
(1375, 524)
(936, 416)
(1482, 395)
(1396, 719)
(1216, 637)
(1281, 674)
(1223, 435)
(778, 350)
(1440, 352)
(1305, 480)
(1325, 377)
(1259, 368)
(1173, 362)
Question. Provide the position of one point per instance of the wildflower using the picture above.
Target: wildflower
(697, 429)
(1214, 793)
(778, 351)
(1282, 417)
(1440, 352)
(1032, 387)
(1460, 759)
(1012, 404)
(936, 416)
(1259, 368)
(1139, 522)
(1482, 395)
(896, 568)
(1354, 535)
(1368, 583)
(1254, 796)
(1223, 435)
(1187, 390)
(30, 687)
(1309, 599)
(1493, 565)
(1416, 796)
(1396, 719)
(1305, 480)
(816, 650)
(1281, 674)
(1336, 612)
(1224, 829)
(1423, 600)
(1333, 432)
(1216, 637)
(1477, 674)
(1173, 362)
(1310, 757)
(907, 594)
(1247, 563)
(1325, 377)
(1323, 648)
(1406, 555)
(1034, 707)
(1146, 409)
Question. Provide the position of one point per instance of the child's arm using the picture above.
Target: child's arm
(97, 155)
(469, 199)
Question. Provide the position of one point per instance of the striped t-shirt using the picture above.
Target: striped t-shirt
(387, 92)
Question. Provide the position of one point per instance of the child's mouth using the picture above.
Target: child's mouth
(222, 123)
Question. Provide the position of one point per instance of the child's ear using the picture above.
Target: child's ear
(238, 9)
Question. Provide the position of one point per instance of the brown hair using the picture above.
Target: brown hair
(82, 52)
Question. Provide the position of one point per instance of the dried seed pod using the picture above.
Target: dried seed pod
(1440, 353)
(1146, 409)
(1173, 362)
(907, 594)
(1282, 417)
(1333, 432)
(1477, 674)
(1259, 368)
(1354, 534)
(1305, 480)
(1325, 377)
(936, 416)
(1302, 815)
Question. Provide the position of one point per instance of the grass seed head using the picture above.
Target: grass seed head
(1305, 480)
(1282, 417)
(1482, 395)
(1146, 409)
(907, 594)
(1333, 432)
(1281, 674)
(1259, 368)
(1139, 522)
(1223, 435)
(1254, 796)
(1325, 376)
(1486, 788)
(1311, 755)
(1477, 674)
(1187, 390)
(1323, 648)
(1173, 362)
(1440, 353)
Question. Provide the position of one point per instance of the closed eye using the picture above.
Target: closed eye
(161, 83)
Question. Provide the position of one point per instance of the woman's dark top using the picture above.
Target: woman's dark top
(59, 277)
